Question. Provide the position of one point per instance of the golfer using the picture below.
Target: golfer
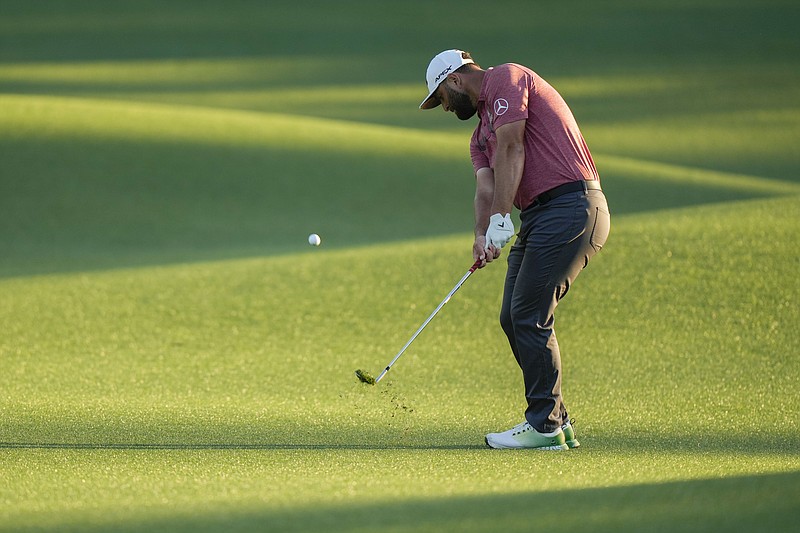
(528, 153)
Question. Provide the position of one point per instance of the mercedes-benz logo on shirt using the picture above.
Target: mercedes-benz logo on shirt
(500, 106)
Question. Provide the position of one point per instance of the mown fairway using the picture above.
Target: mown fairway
(174, 357)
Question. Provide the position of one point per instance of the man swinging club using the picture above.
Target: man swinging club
(528, 152)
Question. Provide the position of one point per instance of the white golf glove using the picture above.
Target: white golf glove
(500, 231)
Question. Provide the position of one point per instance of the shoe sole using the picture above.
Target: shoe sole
(557, 448)
(573, 444)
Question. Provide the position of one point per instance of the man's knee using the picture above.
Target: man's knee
(506, 320)
(529, 317)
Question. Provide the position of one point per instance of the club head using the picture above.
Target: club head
(365, 377)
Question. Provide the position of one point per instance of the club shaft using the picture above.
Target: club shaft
(438, 307)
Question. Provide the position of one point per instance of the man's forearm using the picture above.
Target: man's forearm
(508, 166)
(508, 173)
(484, 196)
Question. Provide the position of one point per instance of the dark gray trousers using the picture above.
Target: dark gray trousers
(555, 242)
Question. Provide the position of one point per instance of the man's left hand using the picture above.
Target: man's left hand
(500, 231)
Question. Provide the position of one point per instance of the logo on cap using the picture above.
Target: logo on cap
(500, 106)
(442, 73)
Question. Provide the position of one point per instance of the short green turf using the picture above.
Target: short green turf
(222, 394)
(175, 357)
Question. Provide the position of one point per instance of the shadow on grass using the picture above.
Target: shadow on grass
(746, 503)
(226, 446)
(656, 34)
(105, 205)
(450, 439)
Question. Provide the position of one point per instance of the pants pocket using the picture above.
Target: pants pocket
(600, 229)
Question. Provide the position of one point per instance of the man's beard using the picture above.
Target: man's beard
(460, 104)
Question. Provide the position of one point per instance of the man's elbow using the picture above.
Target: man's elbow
(514, 149)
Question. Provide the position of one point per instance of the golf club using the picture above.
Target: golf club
(366, 377)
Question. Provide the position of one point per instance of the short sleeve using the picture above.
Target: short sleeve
(479, 158)
(507, 94)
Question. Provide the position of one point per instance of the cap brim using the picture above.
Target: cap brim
(430, 102)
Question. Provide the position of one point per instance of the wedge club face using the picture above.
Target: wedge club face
(365, 377)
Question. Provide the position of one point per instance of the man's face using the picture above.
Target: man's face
(454, 100)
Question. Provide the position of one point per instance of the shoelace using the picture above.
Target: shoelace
(521, 428)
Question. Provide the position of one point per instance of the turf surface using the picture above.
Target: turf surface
(176, 358)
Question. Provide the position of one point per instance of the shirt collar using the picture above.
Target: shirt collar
(484, 85)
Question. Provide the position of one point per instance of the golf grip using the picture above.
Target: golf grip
(472, 269)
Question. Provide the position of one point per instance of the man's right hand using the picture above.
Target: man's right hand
(481, 253)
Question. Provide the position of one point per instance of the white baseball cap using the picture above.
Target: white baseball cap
(440, 66)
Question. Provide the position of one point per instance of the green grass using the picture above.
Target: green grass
(176, 358)
(230, 402)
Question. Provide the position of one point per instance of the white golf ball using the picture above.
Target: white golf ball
(314, 239)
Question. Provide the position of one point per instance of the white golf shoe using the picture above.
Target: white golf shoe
(523, 436)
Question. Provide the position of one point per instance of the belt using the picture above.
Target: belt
(572, 186)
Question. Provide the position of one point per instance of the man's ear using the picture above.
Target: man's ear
(455, 79)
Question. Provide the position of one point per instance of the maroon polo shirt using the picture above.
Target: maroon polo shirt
(555, 151)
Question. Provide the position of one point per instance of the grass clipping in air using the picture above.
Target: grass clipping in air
(365, 377)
